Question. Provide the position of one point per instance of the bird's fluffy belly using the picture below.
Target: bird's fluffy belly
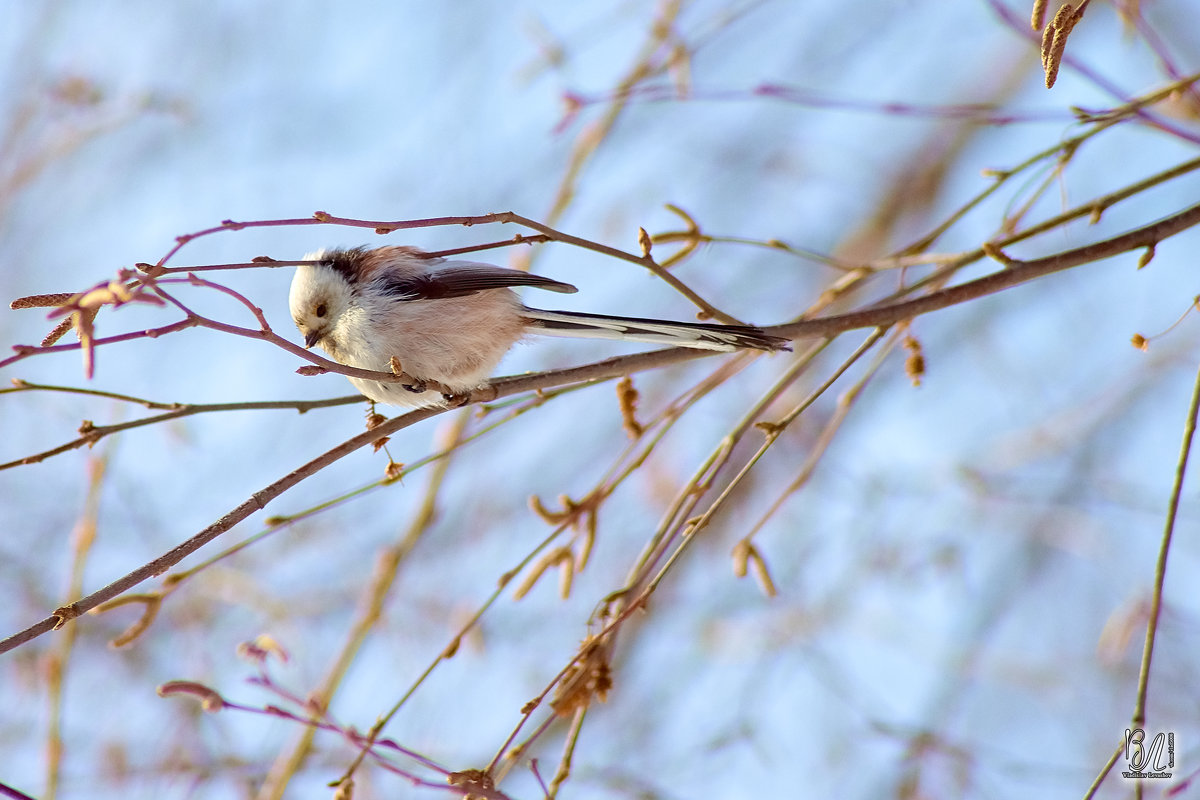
(431, 345)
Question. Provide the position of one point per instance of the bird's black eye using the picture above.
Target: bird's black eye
(321, 310)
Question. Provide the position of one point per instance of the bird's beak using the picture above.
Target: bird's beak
(311, 338)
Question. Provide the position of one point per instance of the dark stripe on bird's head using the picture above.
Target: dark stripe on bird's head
(348, 263)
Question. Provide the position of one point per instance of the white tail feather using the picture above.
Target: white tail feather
(634, 329)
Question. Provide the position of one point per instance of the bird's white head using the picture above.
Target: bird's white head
(319, 298)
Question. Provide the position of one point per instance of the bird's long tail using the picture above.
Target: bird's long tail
(699, 335)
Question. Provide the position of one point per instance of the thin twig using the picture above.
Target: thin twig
(256, 502)
(82, 540)
(1018, 272)
(1107, 768)
(1022, 29)
(94, 433)
(370, 612)
(1160, 567)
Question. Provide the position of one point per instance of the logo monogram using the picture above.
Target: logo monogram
(1149, 761)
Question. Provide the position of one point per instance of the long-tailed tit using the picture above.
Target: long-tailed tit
(452, 321)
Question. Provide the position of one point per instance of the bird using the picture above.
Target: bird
(451, 322)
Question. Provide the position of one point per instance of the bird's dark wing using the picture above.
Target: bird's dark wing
(464, 278)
